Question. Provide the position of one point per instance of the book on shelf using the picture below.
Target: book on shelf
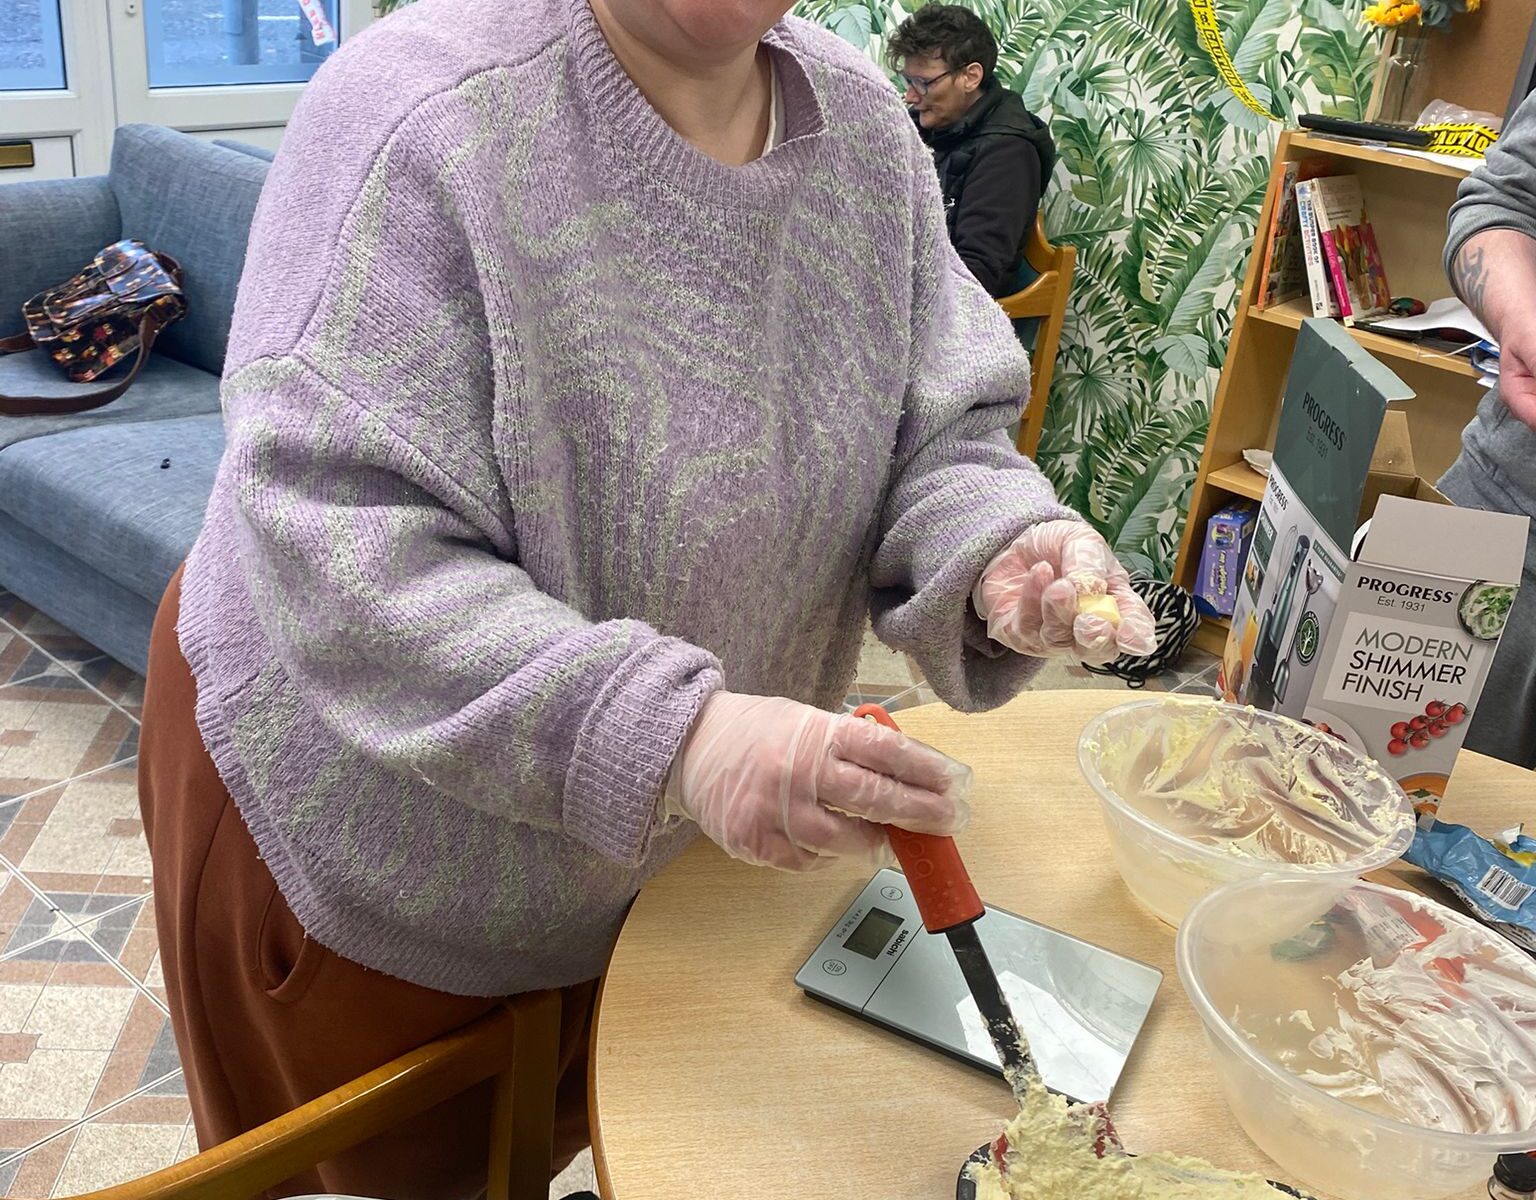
(1318, 287)
(1349, 248)
(1285, 272)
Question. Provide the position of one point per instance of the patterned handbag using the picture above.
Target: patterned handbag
(114, 308)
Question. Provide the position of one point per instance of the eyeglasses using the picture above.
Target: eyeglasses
(920, 85)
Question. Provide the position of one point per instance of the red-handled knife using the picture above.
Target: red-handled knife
(948, 903)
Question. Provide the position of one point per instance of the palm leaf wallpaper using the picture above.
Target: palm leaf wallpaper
(1161, 179)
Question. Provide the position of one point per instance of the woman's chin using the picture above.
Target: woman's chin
(710, 28)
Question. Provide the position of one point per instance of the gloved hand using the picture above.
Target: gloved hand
(1058, 589)
(781, 784)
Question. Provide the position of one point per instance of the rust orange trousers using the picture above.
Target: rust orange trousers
(266, 1018)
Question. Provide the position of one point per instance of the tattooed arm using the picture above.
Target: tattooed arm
(1495, 273)
(1491, 254)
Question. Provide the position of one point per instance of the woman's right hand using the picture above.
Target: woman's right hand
(781, 784)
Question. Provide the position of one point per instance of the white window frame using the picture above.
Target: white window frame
(218, 107)
(82, 110)
(107, 85)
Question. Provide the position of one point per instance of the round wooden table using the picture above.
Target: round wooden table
(714, 1076)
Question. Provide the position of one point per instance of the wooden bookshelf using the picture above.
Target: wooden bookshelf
(1307, 144)
(1407, 197)
(1292, 313)
(1239, 479)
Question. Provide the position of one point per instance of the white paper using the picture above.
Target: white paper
(1449, 313)
(1260, 460)
(1466, 165)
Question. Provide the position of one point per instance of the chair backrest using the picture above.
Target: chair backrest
(516, 1046)
(1046, 300)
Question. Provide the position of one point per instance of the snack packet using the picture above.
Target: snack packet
(1495, 878)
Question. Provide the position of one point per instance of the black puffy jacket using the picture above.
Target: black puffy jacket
(993, 165)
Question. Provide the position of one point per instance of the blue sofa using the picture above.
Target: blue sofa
(97, 509)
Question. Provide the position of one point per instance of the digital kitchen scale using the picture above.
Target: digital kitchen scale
(1080, 1006)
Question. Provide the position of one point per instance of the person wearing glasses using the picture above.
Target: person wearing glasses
(993, 155)
(544, 544)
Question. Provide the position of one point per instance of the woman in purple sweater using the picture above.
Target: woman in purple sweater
(599, 366)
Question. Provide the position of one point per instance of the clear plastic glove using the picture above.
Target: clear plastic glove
(781, 784)
(1059, 589)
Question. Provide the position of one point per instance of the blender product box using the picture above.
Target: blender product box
(1227, 535)
(1417, 623)
(1386, 649)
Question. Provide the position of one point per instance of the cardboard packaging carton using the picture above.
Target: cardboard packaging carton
(1387, 650)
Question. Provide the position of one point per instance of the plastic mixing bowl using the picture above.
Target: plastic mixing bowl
(1314, 993)
(1197, 794)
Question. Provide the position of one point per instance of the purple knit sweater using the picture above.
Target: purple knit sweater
(541, 426)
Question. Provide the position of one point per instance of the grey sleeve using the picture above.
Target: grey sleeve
(1500, 194)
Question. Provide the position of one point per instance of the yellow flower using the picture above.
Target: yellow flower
(1474, 5)
(1393, 12)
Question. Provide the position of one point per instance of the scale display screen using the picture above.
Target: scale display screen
(873, 932)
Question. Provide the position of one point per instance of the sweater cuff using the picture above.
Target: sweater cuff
(627, 744)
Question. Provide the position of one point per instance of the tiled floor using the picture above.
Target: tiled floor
(91, 1093)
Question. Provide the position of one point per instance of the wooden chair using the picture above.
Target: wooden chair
(1045, 298)
(517, 1045)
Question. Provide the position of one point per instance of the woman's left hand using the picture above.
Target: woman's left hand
(1060, 590)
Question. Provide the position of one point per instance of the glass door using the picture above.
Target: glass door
(213, 65)
(55, 102)
(31, 47)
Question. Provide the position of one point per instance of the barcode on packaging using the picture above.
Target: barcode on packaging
(1504, 889)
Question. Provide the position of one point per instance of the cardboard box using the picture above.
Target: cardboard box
(1227, 535)
(1387, 652)
(1416, 626)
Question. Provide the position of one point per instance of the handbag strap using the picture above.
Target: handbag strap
(150, 326)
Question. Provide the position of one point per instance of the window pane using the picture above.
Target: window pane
(31, 50)
(203, 43)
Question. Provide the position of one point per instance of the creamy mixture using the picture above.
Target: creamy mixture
(1051, 1156)
(1441, 1035)
(1244, 785)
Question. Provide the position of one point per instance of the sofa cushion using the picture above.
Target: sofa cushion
(79, 597)
(194, 201)
(165, 388)
(125, 499)
(49, 230)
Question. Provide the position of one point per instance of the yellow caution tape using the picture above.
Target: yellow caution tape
(1209, 29)
(1465, 139)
